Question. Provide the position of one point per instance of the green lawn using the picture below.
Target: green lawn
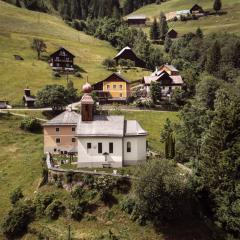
(229, 22)
(20, 160)
(18, 27)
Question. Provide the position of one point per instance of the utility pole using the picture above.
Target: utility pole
(69, 232)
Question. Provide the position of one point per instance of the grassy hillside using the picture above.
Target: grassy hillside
(229, 22)
(20, 164)
(18, 27)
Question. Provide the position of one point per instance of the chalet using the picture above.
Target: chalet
(62, 60)
(168, 77)
(137, 20)
(127, 53)
(172, 33)
(196, 9)
(28, 99)
(97, 140)
(115, 88)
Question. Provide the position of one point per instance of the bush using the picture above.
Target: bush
(77, 210)
(77, 192)
(16, 195)
(88, 180)
(162, 193)
(78, 74)
(55, 209)
(109, 63)
(127, 205)
(42, 201)
(30, 124)
(104, 186)
(126, 63)
(17, 220)
(56, 74)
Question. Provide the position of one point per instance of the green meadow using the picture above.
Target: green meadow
(229, 22)
(18, 28)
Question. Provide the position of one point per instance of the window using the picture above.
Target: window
(57, 58)
(114, 86)
(129, 147)
(89, 145)
(73, 140)
(163, 87)
(120, 95)
(121, 87)
(110, 147)
(57, 130)
(99, 147)
(108, 87)
(58, 140)
(73, 129)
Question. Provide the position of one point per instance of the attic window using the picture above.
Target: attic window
(73, 129)
(57, 129)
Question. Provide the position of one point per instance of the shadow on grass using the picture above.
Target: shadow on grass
(79, 69)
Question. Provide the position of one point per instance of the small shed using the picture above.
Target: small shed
(136, 20)
(18, 57)
(127, 53)
(3, 104)
(172, 33)
(28, 100)
(196, 9)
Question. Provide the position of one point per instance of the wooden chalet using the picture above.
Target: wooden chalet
(172, 33)
(115, 88)
(28, 99)
(62, 60)
(137, 20)
(127, 53)
(196, 9)
(168, 77)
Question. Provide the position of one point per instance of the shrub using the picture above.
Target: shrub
(88, 180)
(42, 201)
(77, 209)
(104, 186)
(109, 63)
(16, 195)
(127, 205)
(17, 220)
(78, 74)
(30, 124)
(55, 209)
(77, 192)
(56, 74)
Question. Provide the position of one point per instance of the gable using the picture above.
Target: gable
(62, 52)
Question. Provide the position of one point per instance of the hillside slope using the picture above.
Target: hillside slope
(19, 26)
(229, 22)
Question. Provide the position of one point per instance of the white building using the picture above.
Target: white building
(102, 140)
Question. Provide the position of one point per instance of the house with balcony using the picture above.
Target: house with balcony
(62, 60)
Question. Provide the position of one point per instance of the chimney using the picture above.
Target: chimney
(27, 92)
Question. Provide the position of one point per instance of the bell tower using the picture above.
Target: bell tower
(87, 103)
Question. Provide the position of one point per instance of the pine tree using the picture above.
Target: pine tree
(213, 58)
(163, 26)
(199, 33)
(154, 30)
(167, 43)
(128, 7)
(217, 5)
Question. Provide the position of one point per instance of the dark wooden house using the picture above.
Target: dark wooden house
(127, 53)
(28, 99)
(196, 9)
(136, 20)
(62, 60)
(172, 33)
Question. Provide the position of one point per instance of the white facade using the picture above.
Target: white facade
(125, 151)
